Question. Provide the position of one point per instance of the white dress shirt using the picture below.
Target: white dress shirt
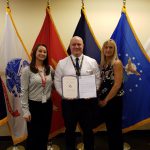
(65, 67)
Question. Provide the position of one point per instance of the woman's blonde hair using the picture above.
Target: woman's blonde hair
(115, 55)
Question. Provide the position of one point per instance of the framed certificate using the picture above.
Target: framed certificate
(74, 87)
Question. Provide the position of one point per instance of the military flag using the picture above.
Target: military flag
(56, 51)
(14, 57)
(136, 100)
(84, 30)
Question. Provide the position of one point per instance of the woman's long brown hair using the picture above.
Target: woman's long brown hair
(33, 61)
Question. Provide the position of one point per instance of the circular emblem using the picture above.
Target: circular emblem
(13, 74)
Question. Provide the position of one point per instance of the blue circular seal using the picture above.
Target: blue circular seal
(13, 74)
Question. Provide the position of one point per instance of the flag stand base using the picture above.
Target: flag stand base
(53, 147)
(126, 146)
(18, 147)
(80, 146)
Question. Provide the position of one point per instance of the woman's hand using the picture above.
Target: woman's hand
(27, 118)
(102, 103)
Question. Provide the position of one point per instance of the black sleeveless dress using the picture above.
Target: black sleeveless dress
(111, 114)
(107, 77)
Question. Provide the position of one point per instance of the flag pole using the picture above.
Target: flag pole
(82, 1)
(7, 3)
(50, 145)
(48, 4)
(80, 146)
(124, 3)
(124, 6)
(125, 144)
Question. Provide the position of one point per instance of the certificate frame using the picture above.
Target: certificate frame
(77, 87)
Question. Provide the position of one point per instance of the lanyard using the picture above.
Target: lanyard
(43, 78)
(80, 66)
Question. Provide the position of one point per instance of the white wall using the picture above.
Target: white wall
(103, 16)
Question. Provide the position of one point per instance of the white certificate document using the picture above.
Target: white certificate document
(74, 87)
(87, 86)
(70, 87)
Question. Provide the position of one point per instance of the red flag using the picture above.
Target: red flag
(56, 51)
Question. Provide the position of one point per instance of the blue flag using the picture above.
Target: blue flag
(136, 111)
(83, 29)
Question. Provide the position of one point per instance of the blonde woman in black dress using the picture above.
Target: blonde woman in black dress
(110, 94)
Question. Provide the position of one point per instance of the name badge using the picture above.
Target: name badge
(43, 98)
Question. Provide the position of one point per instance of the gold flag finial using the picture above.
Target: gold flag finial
(7, 2)
(82, 3)
(124, 3)
(124, 6)
(48, 4)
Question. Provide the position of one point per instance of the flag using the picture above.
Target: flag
(3, 111)
(14, 57)
(136, 100)
(56, 51)
(84, 30)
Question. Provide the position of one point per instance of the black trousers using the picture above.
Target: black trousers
(39, 126)
(78, 111)
(111, 114)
